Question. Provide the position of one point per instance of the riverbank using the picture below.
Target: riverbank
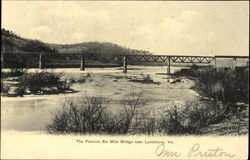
(34, 112)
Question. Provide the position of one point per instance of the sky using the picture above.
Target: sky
(161, 27)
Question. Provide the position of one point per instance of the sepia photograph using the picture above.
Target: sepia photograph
(124, 79)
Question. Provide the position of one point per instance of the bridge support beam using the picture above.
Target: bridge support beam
(40, 61)
(214, 62)
(125, 64)
(168, 66)
(234, 63)
(82, 66)
(2, 61)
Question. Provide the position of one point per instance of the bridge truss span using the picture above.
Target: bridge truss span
(42, 59)
(151, 58)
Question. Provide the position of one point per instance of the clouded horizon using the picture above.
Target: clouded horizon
(170, 27)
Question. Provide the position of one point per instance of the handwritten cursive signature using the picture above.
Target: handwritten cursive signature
(194, 151)
(161, 151)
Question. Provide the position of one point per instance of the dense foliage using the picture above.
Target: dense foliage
(36, 81)
(223, 84)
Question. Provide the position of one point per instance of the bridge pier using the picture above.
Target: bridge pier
(40, 61)
(168, 66)
(82, 66)
(2, 60)
(234, 63)
(125, 64)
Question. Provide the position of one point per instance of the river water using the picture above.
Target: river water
(33, 112)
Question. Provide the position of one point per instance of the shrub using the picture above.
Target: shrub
(131, 104)
(190, 118)
(90, 115)
(226, 85)
(171, 123)
(71, 80)
(149, 124)
(20, 90)
(4, 88)
(35, 81)
(14, 72)
(82, 116)
(88, 74)
(81, 79)
(204, 113)
(147, 78)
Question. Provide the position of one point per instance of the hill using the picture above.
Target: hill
(97, 48)
(13, 42)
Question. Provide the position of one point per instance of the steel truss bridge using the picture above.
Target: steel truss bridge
(152, 58)
(167, 59)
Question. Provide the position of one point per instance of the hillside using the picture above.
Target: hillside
(96, 48)
(13, 42)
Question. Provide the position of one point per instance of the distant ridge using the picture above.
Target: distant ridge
(13, 42)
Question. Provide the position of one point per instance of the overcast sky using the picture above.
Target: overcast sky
(184, 28)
